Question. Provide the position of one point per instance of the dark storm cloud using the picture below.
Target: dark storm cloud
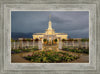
(75, 23)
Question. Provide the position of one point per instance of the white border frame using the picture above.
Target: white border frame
(51, 66)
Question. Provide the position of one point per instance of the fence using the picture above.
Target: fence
(23, 44)
(31, 44)
(78, 44)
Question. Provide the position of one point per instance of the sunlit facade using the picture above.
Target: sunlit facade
(50, 34)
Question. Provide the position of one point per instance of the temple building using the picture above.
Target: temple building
(50, 35)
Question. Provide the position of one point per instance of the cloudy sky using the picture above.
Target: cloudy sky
(74, 23)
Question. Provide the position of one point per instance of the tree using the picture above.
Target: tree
(28, 39)
(12, 40)
(75, 40)
(44, 40)
(55, 40)
(36, 39)
(63, 40)
(84, 40)
(71, 40)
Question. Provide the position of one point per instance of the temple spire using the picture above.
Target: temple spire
(50, 23)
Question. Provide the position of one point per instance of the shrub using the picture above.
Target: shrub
(84, 40)
(44, 40)
(24, 50)
(77, 50)
(50, 56)
(36, 40)
(16, 51)
(55, 40)
(63, 40)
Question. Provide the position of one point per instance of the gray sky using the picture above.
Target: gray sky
(74, 23)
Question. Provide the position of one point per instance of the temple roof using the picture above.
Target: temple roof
(38, 34)
(61, 33)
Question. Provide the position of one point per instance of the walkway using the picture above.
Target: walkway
(49, 47)
(18, 58)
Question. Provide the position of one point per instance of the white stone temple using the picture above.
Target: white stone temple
(50, 34)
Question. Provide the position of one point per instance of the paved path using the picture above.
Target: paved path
(84, 58)
(18, 58)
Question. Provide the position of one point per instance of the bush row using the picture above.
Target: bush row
(23, 50)
(77, 50)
